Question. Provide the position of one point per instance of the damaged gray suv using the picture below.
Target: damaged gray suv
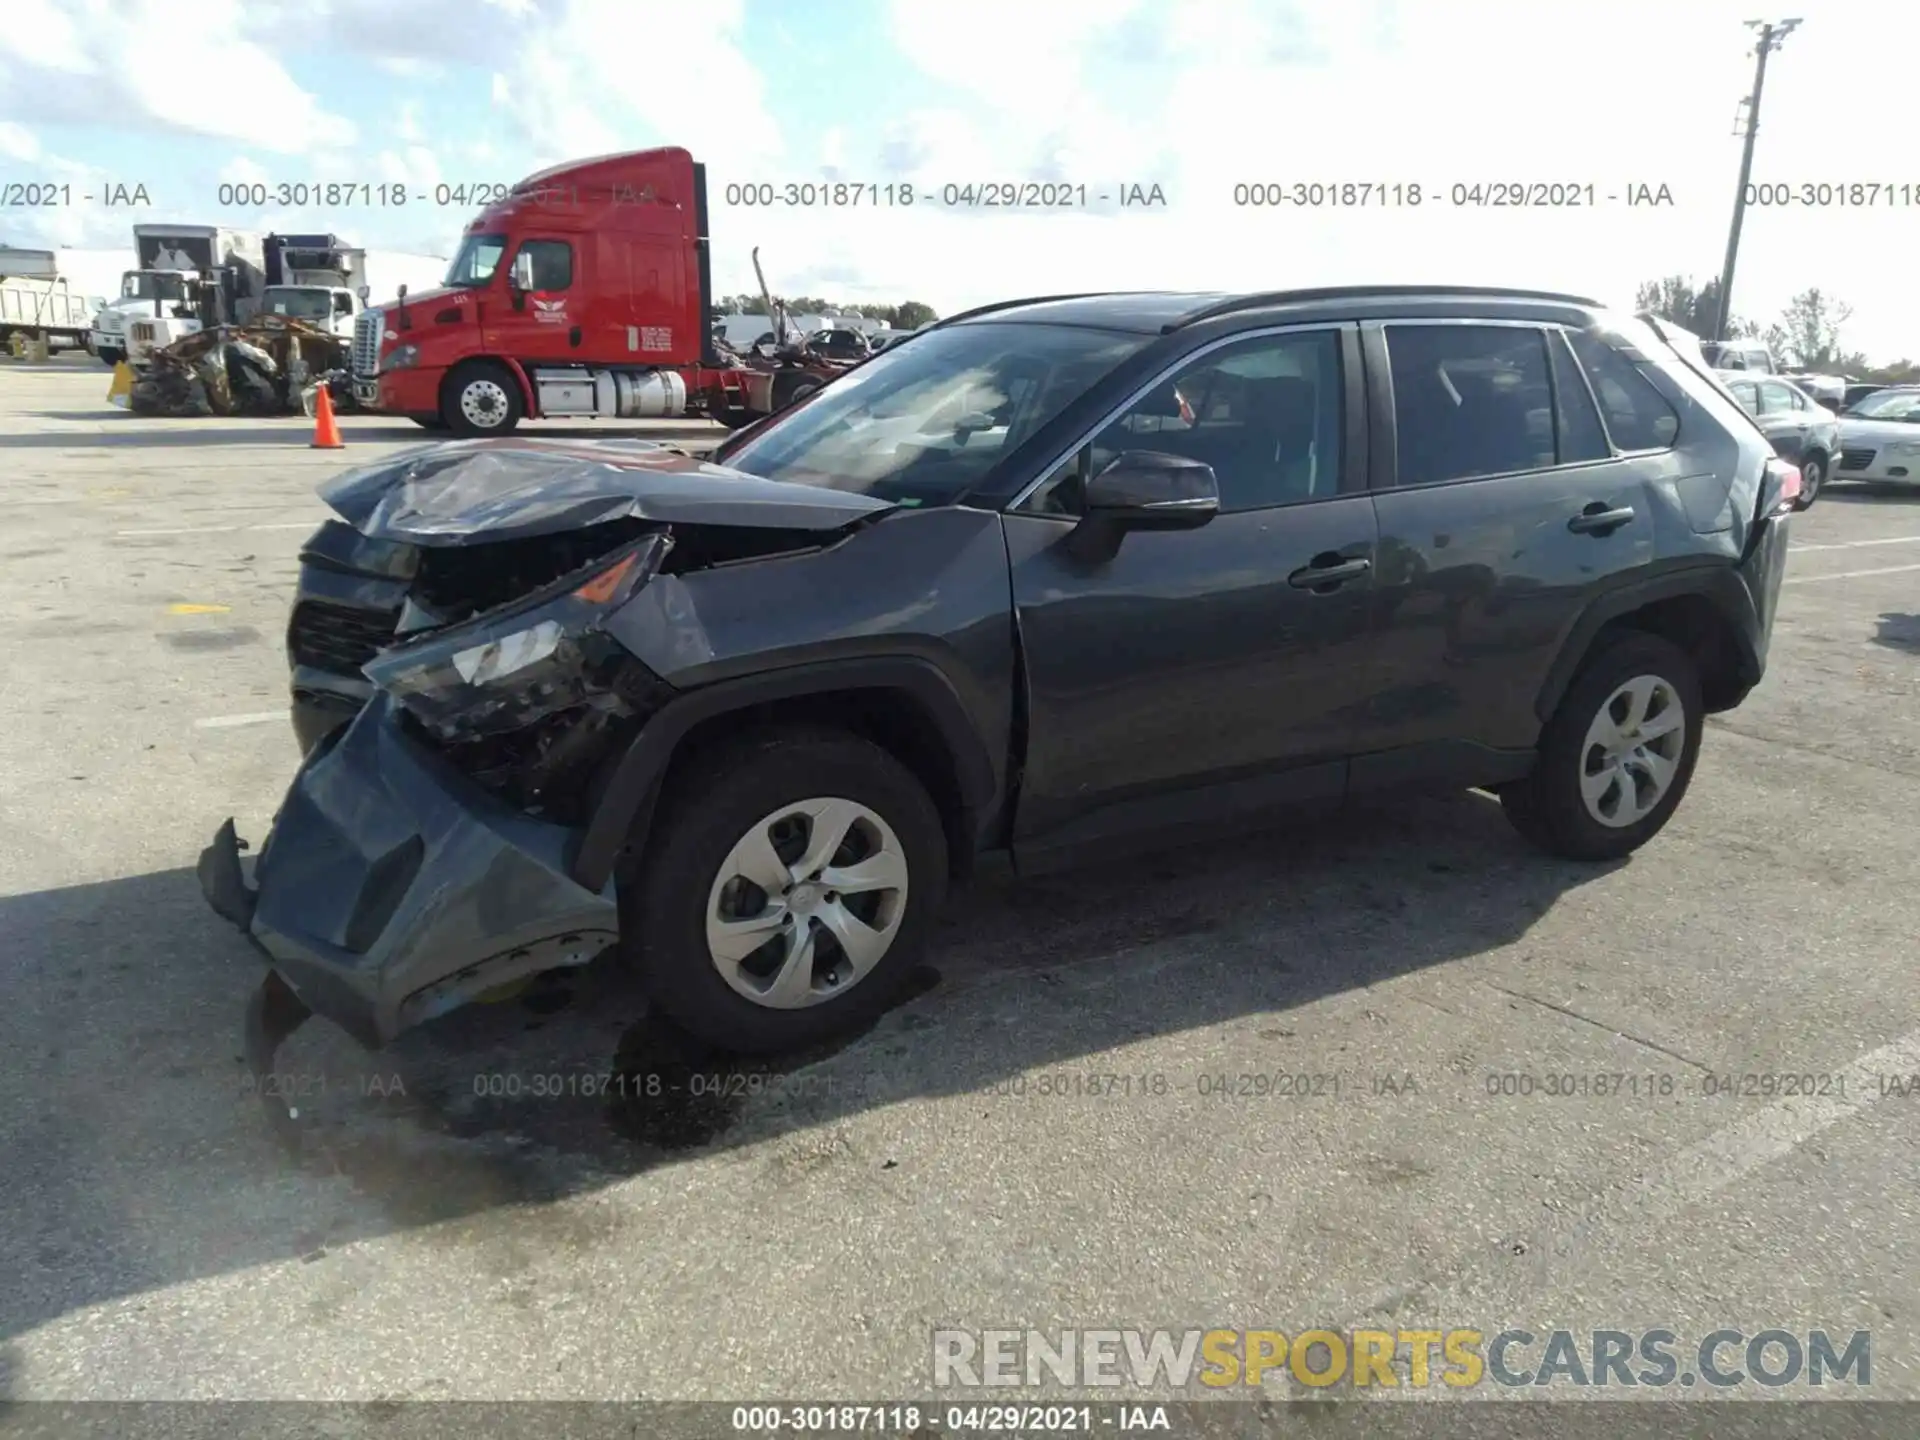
(1059, 576)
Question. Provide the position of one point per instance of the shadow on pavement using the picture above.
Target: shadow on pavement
(1859, 492)
(1898, 632)
(140, 1159)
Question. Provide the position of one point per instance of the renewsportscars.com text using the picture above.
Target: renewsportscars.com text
(1459, 1358)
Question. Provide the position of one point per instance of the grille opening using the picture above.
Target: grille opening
(458, 582)
(338, 638)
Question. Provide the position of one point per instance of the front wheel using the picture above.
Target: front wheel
(110, 358)
(792, 881)
(1618, 754)
(1813, 474)
(481, 398)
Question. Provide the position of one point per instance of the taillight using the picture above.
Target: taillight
(1783, 485)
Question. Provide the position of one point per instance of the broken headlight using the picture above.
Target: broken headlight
(515, 665)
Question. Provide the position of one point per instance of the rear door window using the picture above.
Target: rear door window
(1470, 400)
(1638, 416)
(1576, 420)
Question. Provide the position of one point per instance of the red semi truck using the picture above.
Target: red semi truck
(586, 291)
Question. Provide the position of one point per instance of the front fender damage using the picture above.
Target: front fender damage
(423, 854)
(391, 890)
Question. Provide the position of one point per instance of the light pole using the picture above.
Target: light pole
(1772, 32)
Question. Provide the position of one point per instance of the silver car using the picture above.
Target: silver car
(1880, 438)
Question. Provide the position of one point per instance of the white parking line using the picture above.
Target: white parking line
(223, 529)
(1856, 544)
(1716, 1163)
(227, 722)
(1849, 574)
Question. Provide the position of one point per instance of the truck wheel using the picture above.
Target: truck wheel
(793, 391)
(1617, 756)
(111, 358)
(481, 398)
(795, 878)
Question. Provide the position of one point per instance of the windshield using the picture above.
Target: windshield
(146, 285)
(298, 304)
(1889, 405)
(479, 257)
(923, 424)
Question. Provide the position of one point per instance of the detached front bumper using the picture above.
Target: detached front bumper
(393, 889)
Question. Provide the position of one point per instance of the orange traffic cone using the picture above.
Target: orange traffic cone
(326, 430)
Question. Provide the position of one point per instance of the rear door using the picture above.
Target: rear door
(1506, 504)
(1196, 675)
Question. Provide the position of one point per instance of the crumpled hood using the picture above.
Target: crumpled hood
(481, 491)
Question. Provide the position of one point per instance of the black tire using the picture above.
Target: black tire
(736, 417)
(482, 387)
(1547, 808)
(710, 807)
(111, 358)
(1813, 475)
(790, 390)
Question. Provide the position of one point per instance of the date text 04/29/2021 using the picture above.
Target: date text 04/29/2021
(1040, 195)
(1277, 194)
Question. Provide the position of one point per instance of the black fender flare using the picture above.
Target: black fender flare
(625, 806)
(1719, 585)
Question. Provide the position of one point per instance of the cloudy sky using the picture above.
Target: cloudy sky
(1197, 97)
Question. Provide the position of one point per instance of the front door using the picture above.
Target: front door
(1193, 675)
(542, 323)
(1505, 511)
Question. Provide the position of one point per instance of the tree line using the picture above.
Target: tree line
(908, 315)
(1807, 335)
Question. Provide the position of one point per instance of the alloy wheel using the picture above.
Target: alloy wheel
(806, 903)
(1632, 751)
(483, 403)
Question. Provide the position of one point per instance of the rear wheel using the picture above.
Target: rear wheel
(1813, 474)
(481, 398)
(1617, 756)
(794, 879)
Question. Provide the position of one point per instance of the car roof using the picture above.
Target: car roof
(1150, 311)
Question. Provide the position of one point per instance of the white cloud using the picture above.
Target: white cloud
(244, 170)
(17, 142)
(1339, 90)
(149, 63)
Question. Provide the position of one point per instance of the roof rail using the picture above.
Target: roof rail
(1355, 292)
(980, 310)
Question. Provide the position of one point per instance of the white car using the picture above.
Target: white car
(1880, 438)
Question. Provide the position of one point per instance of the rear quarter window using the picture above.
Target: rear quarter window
(1637, 416)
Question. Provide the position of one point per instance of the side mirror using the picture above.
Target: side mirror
(1151, 490)
(365, 292)
(520, 277)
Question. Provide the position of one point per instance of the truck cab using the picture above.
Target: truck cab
(586, 291)
(330, 308)
(148, 294)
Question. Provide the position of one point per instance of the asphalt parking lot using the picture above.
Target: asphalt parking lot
(462, 1232)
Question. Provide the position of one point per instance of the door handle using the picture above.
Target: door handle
(1328, 571)
(1600, 519)
(573, 336)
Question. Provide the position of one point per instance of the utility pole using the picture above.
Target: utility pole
(1772, 32)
